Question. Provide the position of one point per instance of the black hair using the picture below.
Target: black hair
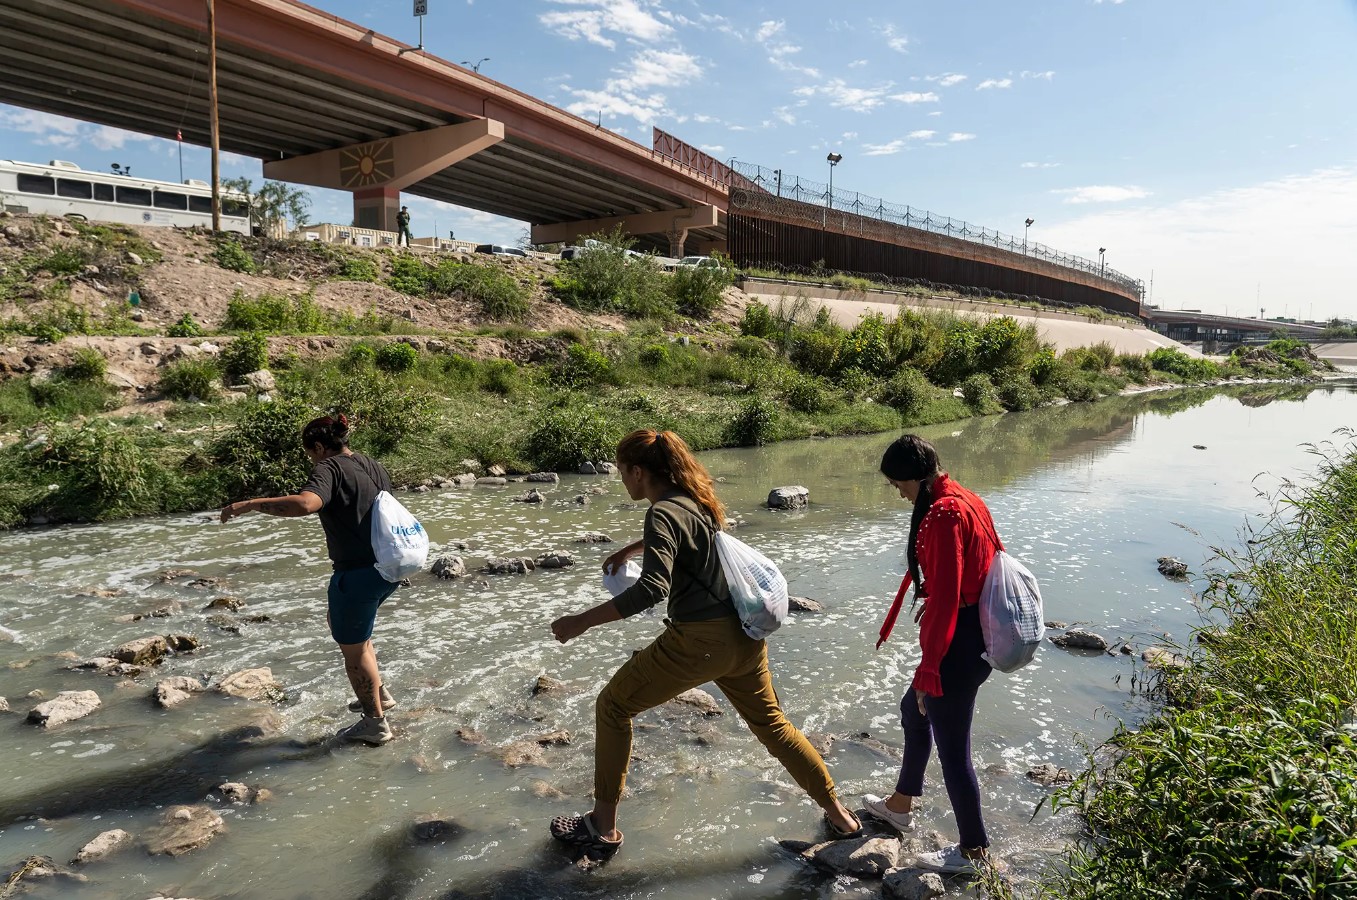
(331, 432)
(911, 458)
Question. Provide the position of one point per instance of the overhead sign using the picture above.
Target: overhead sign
(421, 7)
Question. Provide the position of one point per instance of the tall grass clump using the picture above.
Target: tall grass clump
(1246, 786)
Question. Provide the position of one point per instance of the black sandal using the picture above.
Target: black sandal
(579, 831)
(837, 834)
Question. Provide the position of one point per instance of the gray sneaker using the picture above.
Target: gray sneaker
(950, 861)
(368, 730)
(876, 807)
(388, 702)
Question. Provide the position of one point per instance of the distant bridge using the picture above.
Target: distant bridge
(1192, 326)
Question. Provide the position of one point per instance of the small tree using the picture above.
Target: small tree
(275, 207)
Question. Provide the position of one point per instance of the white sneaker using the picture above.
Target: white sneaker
(388, 702)
(876, 807)
(949, 860)
(368, 730)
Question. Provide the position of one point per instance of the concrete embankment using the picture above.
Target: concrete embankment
(1064, 330)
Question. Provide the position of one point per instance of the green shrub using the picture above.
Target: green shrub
(494, 290)
(62, 397)
(1079, 388)
(584, 366)
(753, 425)
(397, 356)
(758, 322)
(361, 355)
(500, 376)
(409, 275)
(247, 353)
(570, 334)
(999, 344)
(563, 437)
(229, 254)
(958, 354)
(87, 364)
(1042, 366)
(1134, 366)
(865, 347)
(815, 352)
(653, 355)
(806, 394)
(906, 391)
(856, 383)
(261, 455)
(1016, 392)
(99, 471)
(384, 412)
(190, 379)
(359, 268)
(698, 290)
(186, 327)
(275, 314)
(977, 390)
(750, 347)
(606, 277)
(1181, 366)
(65, 260)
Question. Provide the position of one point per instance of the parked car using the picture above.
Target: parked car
(703, 261)
(498, 250)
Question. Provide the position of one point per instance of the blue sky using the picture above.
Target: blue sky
(1211, 144)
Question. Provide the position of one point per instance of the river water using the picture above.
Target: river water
(1088, 495)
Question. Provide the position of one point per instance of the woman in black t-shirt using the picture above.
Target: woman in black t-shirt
(342, 488)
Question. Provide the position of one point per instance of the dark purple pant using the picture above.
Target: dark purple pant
(948, 724)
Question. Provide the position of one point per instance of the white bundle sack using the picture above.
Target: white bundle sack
(622, 577)
(399, 542)
(757, 586)
(1010, 614)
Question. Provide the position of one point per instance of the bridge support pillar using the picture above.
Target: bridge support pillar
(376, 172)
(674, 224)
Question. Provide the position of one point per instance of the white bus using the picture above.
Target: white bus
(62, 188)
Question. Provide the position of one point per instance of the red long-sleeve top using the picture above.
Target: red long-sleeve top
(957, 542)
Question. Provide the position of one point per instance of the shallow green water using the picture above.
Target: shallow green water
(1087, 495)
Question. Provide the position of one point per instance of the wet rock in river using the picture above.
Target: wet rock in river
(558, 738)
(491, 481)
(469, 736)
(545, 684)
(554, 560)
(107, 665)
(147, 651)
(543, 790)
(184, 643)
(1049, 775)
(508, 566)
(37, 869)
(103, 846)
(1055, 623)
(225, 623)
(1078, 639)
(434, 830)
(210, 583)
(237, 793)
(532, 496)
(66, 706)
(169, 575)
(1163, 658)
(791, 497)
(175, 691)
(699, 700)
(544, 478)
(588, 468)
(912, 884)
(466, 479)
(822, 742)
(251, 684)
(448, 567)
(228, 603)
(606, 468)
(4, 705)
(496, 471)
(1171, 567)
(804, 604)
(593, 537)
(184, 829)
(522, 753)
(864, 857)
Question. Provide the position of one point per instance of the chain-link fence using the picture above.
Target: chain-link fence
(755, 189)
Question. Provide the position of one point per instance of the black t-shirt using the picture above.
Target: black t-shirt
(347, 485)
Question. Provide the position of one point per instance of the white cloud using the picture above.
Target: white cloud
(591, 20)
(850, 135)
(1102, 193)
(632, 92)
(1212, 251)
(769, 29)
(897, 42)
(1037, 165)
(1042, 76)
(770, 35)
(922, 134)
(1113, 2)
(915, 97)
(958, 136)
(947, 79)
(857, 64)
(989, 83)
(842, 95)
(712, 148)
(893, 147)
(935, 113)
(784, 115)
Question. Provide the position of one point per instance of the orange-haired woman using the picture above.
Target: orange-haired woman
(702, 640)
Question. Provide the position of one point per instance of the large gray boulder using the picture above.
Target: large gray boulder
(448, 567)
(508, 566)
(103, 846)
(184, 829)
(912, 884)
(175, 691)
(864, 857)
(544, 478)
(251, 684)
(791, 497)
(1078, 639)
(66, 706)
(1171, 567)
(147, 651)
(262, 381)
(556, 559)
(699, 700)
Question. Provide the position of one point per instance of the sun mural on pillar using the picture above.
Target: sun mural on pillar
(364, 165)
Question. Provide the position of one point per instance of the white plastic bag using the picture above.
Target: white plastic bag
(622, 577)
(399, 542)
(756, 585)
(1010, 614)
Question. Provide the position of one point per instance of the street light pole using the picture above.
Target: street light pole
(1102, 264)
(1026, 225)
(213, 120)
(833, 159)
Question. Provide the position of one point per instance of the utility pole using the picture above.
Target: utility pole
(216, 125)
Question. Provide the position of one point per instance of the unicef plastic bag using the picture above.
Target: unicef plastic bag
(1010, 614)
(756, 585)
(399, 542)
(622, 577)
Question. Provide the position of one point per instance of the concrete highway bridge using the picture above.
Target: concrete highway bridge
(1191, 326)
(326, 102)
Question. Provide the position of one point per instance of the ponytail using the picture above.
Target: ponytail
(921, 507)
(665, 454)
(331, 432)
(911, 458)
